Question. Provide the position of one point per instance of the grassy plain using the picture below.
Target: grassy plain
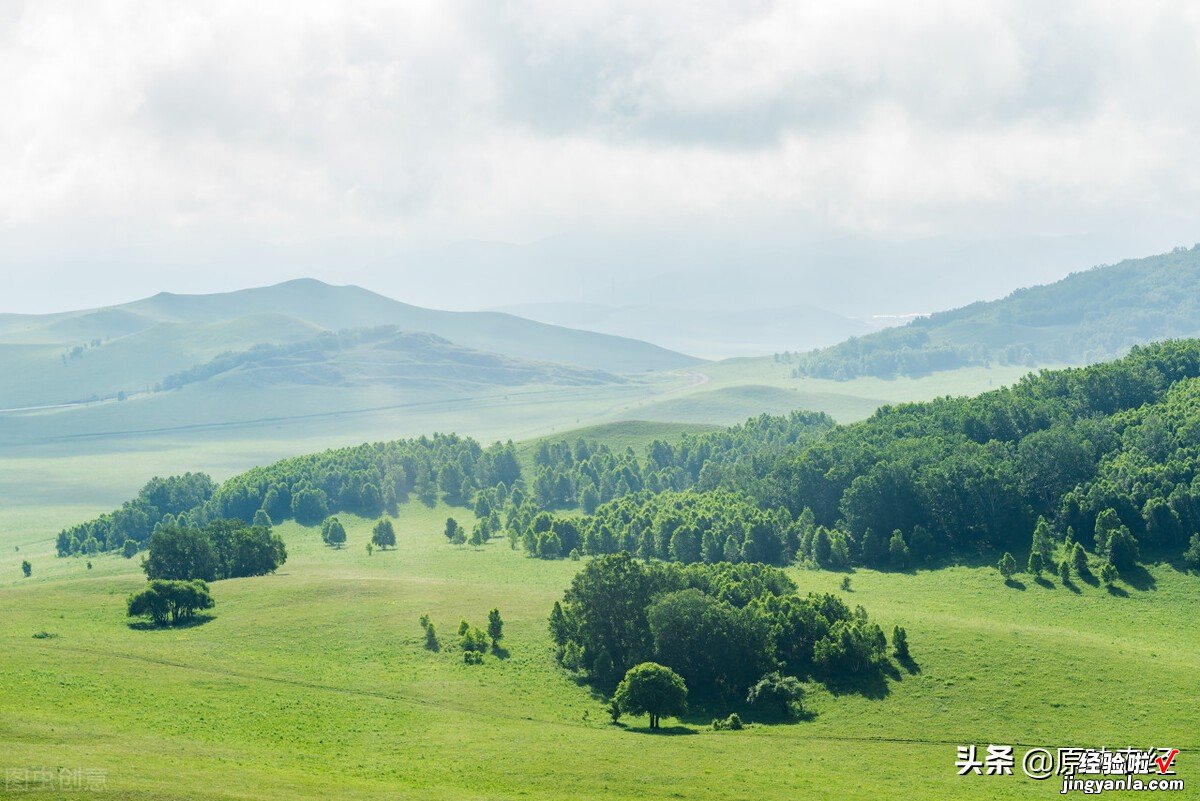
(314, 682)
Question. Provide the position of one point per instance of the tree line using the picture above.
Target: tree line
(366, 479)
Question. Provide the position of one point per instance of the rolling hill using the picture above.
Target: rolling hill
(1086, 317)
(381, 356)
(74, 357)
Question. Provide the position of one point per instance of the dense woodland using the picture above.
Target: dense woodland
(1087, 317)
(916, 484)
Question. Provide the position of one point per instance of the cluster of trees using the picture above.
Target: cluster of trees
(587, 474)
(135, 520)
(721, 627)
(219, 550)
(366, 479)
(958, 475)
(473, 641)
(1087, 317)
(893, 352)
(689, 526)
(916, 484)
(170, 602)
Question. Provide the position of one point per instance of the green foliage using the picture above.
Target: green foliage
(472, 639)
(333, 533)
(167, 601)
(130, 549)
(454, 532)
(222, 549)
(384, 533)
(1191, 556)
(1108, 574)
(731, 723)
(26, 568)
(652, 689)
(1064, 571)
(363, 479)
(1034, 566)
(1007, 566)
(1079, 560)
(784, 694)
(900, 643)
(495, 627)
(160, 499)
(719, 626)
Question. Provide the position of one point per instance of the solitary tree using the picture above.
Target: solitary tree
(1108, 574)
(1007, 566)
(170, 601)
(900, 642)
(26, 568)
(775, 690)
(130, 549)
(333, 532)
(1035, 564)
(1064, 571)
(495, 627)
(652, 689)
(384, 533)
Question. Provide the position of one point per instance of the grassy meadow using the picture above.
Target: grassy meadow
(315, 682)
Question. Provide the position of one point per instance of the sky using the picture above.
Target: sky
(868, 157)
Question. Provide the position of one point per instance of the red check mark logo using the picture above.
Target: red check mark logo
(1164, 763)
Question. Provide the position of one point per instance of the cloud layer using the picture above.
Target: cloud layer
(232, 137)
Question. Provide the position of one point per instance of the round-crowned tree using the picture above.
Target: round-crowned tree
(652, 689)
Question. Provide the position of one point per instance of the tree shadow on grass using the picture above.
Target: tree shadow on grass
(190, 623)
(1089, 578)
(909, 664)
(500, 651)
(1070, 585)
(871, 684)
(1042, 581)
(1139, 578)
(664, 731)
(1014, 584)
(1117, 591)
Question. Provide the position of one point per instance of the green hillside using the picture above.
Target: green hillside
(383, 356)
(336, 308)
(1087, 317)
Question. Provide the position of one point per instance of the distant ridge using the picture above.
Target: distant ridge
(1088, 316)
(348, 307)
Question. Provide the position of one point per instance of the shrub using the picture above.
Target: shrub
(731, 723)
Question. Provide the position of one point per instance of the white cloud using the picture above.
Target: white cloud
(133, 130)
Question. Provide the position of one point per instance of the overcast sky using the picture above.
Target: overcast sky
(474, 154)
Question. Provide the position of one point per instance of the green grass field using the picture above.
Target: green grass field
(314, 682)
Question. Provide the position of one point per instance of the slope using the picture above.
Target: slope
(1088, 316)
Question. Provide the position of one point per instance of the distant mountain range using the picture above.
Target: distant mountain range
(1086, 317)
(134, 347)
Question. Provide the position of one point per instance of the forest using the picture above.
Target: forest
(916, 484)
